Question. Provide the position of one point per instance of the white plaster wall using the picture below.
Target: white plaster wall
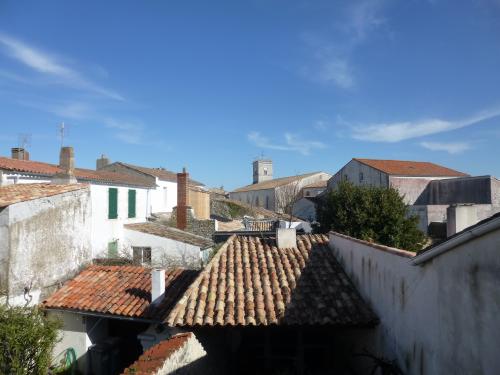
(189, 353)
(441, 318)
(10, 178)
(160, 203)
(106, 230)
(164, 251)
(49, 240)
(256, 196)
(4, 252)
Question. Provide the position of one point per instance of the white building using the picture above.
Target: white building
(45, 237)
(116, 199)
(265, 190)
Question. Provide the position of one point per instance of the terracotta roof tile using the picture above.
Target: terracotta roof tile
(154, 358)
(410, 168)
(46, 169)
(175, 234)
(120, 290)
(275, 182)
(15, 193)
(252, 282)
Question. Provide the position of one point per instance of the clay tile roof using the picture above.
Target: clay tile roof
(274, 183)
(161, 173)
(175, 234)
(46, 169)
(16, 193)
(154, 358)
(410, 168)
(317, 184)
(120, 290)
(252, 282)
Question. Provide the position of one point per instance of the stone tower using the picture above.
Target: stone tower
(262, 170)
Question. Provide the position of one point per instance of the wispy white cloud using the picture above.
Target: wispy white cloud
(449, 147)
(49, 65)
(332, 62)
(292, 143)
(127, 132)
(399, 131)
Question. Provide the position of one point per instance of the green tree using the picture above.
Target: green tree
(27, 338)
(370, 213)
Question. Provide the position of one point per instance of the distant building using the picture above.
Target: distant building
(429, 189)
(305, 207)
(45, 237)
(264, 191)
(164, 196)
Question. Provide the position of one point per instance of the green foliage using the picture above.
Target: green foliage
(236, 210)
(370, 213)
(27, 339)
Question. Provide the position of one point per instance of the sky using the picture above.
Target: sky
(213, 85)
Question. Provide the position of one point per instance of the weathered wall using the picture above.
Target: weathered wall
(106, 230)
(439, 318)
(478, 190)
(351, 171)
(199, 201)
(164, 252)
(411, 188)
(305, 209)
(261, 198)
(49, 240)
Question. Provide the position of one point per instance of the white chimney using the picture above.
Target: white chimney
(157, 285)
(286, 238)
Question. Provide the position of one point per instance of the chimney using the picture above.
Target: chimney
(67, 164)
(20, 153)
(101, 162)
(459, 217)
(286, 238)
(182, 199)
(157, 285)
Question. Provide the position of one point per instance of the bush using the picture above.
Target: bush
(370, 213)
(27, 339)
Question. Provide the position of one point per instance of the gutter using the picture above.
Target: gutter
(465, 236)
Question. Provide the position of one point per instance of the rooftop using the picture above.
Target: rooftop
(16, 193)
(155, 358)
(317, 184)
(161, 173)
(271, 184)
(120, 290)
(86, 175)
(250, 282)
(410, 168)
(175, 234)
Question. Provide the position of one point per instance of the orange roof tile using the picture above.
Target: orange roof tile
(120, 290)
(46, 169)
(155, 357)
(411, 168)
(16, 193)
(252, 282)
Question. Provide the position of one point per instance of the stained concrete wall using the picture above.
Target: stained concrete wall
(305, 209)
(439, 318)
(411, 188)
(46, 241)
(164, 251)
(199, 201)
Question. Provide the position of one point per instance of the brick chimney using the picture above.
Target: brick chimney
(67, 164)
(19, 153)
(182, 199)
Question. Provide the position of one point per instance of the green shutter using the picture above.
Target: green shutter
(131, 203)
(112, 203)
(113, 249)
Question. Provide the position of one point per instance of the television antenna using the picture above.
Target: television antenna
(24, 140)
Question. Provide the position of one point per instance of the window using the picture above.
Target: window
(113, 249)
(142, 255)
(267, 202)
(361, 176)
(257, 203)
(112, 203)
(265, 171)
(131, 203)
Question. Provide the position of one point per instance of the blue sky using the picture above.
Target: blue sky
(212, 85)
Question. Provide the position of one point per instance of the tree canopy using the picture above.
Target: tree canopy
(27, 339)
(370, 213)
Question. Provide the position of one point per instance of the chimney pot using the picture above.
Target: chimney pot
(19, 153)
(157, 285)
(182, 199)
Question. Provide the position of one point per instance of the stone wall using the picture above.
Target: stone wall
(204, 228)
